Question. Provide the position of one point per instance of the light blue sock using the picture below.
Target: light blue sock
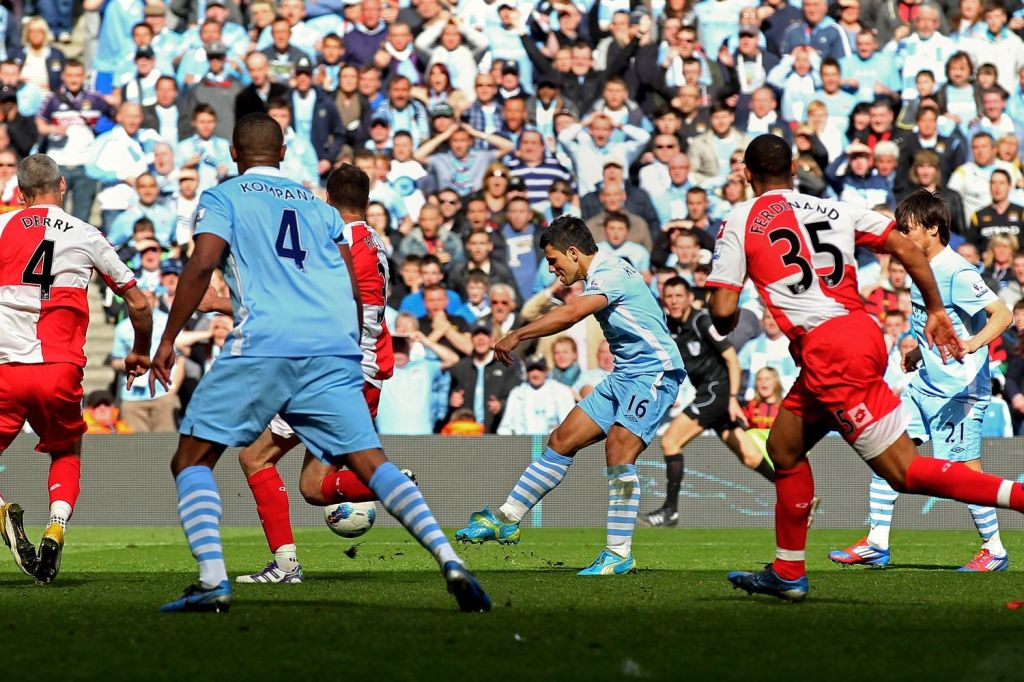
(623, 505)
(540, 478)
(403, 500)
(881, 500)
(199, 510)
(987, 523)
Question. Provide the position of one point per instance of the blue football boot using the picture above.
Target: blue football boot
(484, 526)
(610, 563)
(199, 598)
(767, 581)
(466, 589)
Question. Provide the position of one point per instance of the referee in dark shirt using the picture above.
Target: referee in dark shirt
(714, 370)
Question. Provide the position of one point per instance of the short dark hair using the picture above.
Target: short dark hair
(616, 217)
(348, 188)
(277, 103)
(566, 231)
(925, 209)
(769, 157)
(204, 109)
(479, 276)
(172, 79)
(721, 105)
(677, 282)
(430, 259)
(257, 135)
(1004, 173)
(829, 61)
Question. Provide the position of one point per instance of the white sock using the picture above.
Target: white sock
(212, 572)
(995, 545)
(286, 557)
(879, 536)
(60, 512)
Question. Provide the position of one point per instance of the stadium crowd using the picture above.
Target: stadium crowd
(480, 123)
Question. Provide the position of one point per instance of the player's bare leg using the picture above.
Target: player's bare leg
(258, 462)
(402, 498)
(790, 439)
(64, 485)
(199, 510)
(577, 431)
(622, 449)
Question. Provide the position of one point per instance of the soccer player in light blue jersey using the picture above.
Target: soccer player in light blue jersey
(626, 408)
(294, 351)
(946, 401)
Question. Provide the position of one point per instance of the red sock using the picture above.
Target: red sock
(345, 486)
(794, 490)
(272, 507)
(953, 480)
(65, 478)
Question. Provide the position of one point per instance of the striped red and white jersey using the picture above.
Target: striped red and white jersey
(798, 250)
(372, 274)
(47, 258)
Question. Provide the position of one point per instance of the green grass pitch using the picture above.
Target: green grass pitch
(384, 615)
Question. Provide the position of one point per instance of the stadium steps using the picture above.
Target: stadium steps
(99, 340)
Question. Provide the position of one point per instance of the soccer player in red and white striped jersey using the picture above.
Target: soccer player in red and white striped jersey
(798, 252)
(47, 258)
(320, 484)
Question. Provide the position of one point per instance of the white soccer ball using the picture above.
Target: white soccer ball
(350, 519)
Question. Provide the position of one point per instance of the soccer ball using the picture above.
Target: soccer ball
(350, 519)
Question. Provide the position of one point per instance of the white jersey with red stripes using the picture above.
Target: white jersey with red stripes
(372, 274)
(47, 258)
(798, 250)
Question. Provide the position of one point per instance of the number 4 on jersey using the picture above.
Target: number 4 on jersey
(288, 244)
(39, 269)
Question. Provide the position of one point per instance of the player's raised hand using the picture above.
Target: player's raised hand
(160, 370)
(503, 348)
(939, 331)
(135, 365)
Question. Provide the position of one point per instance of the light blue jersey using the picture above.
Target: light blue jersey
(290, 288)
(632, 322)
(965, 296)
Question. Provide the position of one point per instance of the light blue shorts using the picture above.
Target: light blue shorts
(953, 425)
(321, 398)
(637, 403)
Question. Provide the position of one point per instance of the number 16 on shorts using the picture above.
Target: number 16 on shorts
(637, 409)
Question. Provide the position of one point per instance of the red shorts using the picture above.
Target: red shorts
(49, 397)
(372, 395)
(841, 380)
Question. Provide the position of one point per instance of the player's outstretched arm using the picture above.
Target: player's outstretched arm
(723, 307)
(192, 286)
(137, 363)
(938, 330)
(999, 320)
(558, 320)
